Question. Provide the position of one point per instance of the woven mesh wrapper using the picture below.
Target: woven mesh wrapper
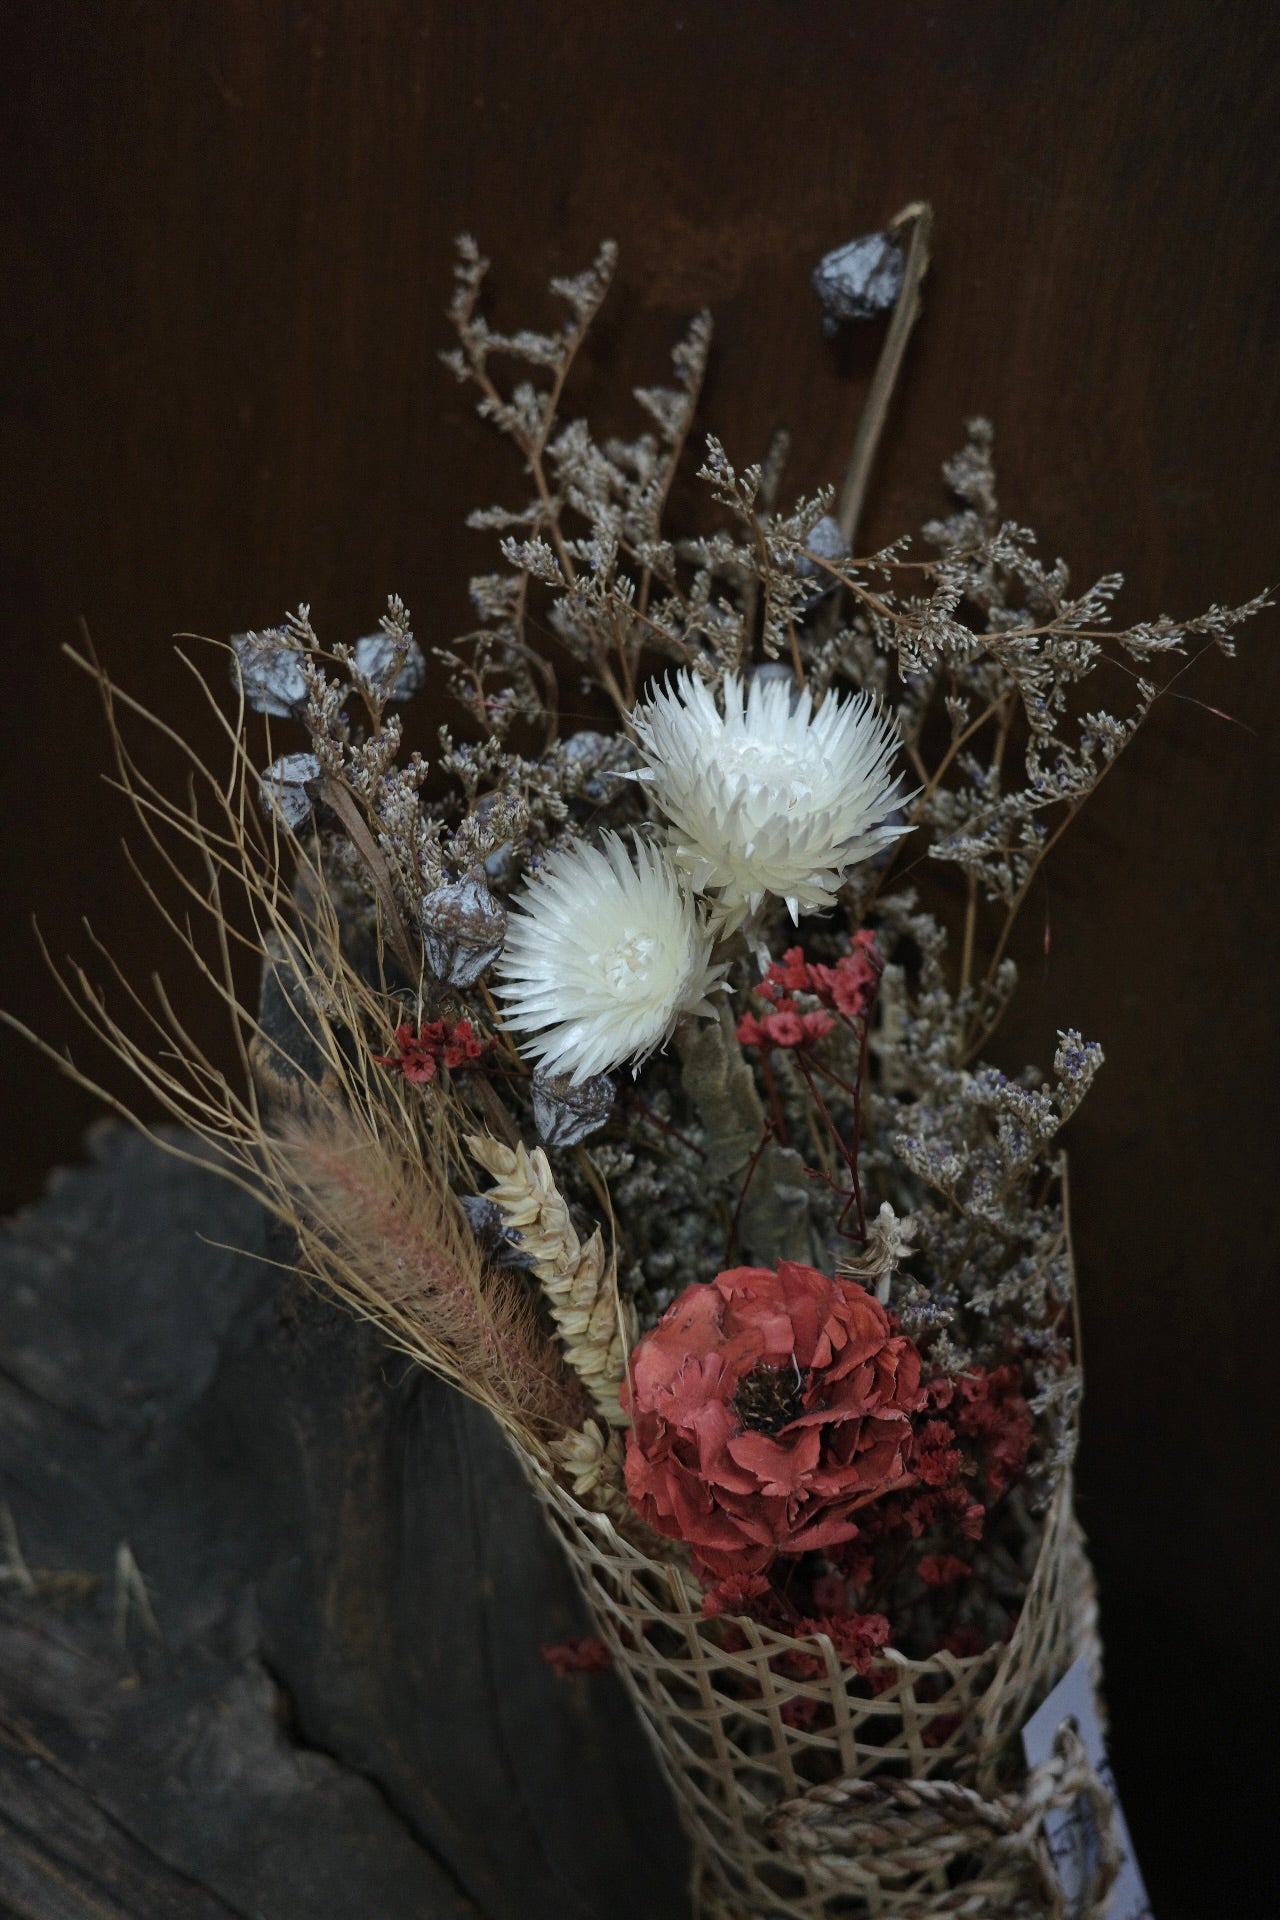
(716, 1720)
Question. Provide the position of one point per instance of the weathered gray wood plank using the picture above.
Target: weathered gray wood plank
(344, 1710)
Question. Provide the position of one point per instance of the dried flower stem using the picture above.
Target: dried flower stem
(876, 411)
(343, 803)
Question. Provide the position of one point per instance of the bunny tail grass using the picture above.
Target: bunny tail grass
(378, 1226)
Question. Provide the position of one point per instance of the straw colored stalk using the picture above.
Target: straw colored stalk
(232, 873)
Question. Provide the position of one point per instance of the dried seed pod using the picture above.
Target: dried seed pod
(375, 657)
(285, 788)
(824, 538)
(600, 761)
(565, 1113)
(269, 667)
(463, 928)
(500, 867)
(498, 1241)
(859, 280)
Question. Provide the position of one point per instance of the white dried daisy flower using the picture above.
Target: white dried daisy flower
(768, 796)
(603, 955)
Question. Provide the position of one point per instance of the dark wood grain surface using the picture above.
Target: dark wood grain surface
(227, 231)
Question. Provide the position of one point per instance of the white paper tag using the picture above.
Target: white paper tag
(1070, 1830)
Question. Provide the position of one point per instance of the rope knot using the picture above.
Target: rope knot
(894, 1837)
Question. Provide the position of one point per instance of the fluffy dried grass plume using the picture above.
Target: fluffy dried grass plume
(322, 1136)
(379, 1227)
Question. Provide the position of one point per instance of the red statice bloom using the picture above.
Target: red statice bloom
(850, 986)
(991, 1411)
(942, 1569)
(768, 1407)
(857, 1638)
(735, 1593)
(419, 1055)
(847, 990)
(785, 1029)
(788, 975)
(584, 1655)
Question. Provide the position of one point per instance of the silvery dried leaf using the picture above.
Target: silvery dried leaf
(463, 929)
(565, 1113)
(499, 1242)
(270, 670)
(375, 656)
(284, 788)
(859, 280)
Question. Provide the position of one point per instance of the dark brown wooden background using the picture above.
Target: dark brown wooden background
(228, 231)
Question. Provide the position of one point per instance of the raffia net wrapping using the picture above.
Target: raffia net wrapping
(867, 1817)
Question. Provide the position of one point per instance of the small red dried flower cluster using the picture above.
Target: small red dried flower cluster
(973, 1436)
(767, 1408)
(418, 1055)
(897, 1575)
(848, 989)
(858, 1639)
(584, 1655)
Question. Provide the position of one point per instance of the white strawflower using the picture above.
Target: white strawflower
(768, 796)
(607, 953)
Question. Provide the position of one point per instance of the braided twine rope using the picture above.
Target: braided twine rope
(873, 1815)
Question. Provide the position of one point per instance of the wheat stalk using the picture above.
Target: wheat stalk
(578, 1279)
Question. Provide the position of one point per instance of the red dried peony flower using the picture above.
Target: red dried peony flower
(767, 1408)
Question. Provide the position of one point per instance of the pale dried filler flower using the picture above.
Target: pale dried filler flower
(772, 796)
(604, 954)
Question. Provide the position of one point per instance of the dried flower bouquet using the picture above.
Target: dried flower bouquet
(632, 1078)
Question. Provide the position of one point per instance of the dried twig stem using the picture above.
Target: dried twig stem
(919, 215)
